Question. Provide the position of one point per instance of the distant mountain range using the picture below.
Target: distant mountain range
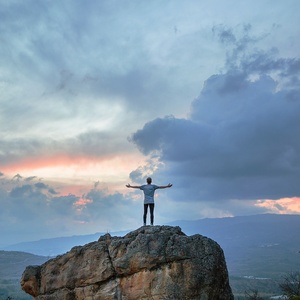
(262, 246)
(55, 246)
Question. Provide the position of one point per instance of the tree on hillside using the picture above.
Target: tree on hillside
(291, 285)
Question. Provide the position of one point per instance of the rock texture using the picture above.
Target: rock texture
(158, 262)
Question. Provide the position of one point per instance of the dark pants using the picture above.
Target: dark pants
(151, 212)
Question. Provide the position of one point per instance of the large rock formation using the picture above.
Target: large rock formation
(158, 262)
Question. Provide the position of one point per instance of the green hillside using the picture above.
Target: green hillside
(12, 265)
(259, 250)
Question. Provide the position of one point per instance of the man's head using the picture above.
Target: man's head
(149, 180)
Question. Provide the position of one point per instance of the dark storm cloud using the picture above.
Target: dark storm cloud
(242, 138)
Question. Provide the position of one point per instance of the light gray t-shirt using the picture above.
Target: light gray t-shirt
(149, 190)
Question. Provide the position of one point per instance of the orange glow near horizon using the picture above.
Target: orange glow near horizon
(281, 206)
(78, 175)
(37, 163)
(31, 164)
(78, 168)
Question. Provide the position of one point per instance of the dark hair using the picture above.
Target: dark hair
(149, 180)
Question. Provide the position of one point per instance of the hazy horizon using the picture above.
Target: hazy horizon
(123, 232)
(203, 95)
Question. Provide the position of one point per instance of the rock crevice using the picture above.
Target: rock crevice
(158, 262)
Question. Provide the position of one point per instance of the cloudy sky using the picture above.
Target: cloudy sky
(96, 94)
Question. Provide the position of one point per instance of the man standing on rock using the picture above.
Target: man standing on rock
(149, 190)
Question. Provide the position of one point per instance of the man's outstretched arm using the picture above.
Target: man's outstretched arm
(165, 186)
(132, 186)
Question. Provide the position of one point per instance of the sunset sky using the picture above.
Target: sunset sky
(97, 94)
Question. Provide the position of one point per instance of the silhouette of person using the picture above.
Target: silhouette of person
(149, 190)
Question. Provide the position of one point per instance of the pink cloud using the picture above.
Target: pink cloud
(82, 202)
(281, 206)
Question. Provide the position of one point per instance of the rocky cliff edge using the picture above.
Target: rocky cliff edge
(158, 262)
